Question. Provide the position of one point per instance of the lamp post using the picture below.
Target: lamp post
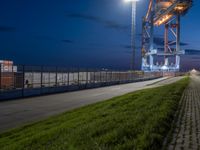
(133, 27)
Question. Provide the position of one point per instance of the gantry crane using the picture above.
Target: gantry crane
(165, 13)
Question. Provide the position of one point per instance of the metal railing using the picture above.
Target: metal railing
(38, 80)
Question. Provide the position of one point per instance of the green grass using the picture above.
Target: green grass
(138, 120)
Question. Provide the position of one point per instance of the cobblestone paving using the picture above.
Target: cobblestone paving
(186, 135)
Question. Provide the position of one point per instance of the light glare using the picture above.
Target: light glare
(130, 1)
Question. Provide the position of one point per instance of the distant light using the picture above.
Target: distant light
(163, 20)
(164, 68)
(180, 8)
(193, 71)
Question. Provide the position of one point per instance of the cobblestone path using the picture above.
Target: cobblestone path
(186, 135)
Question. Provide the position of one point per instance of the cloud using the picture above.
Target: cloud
(184, 44)
(195, 57)
(159, 41)
(7, 29)
(161, 49)
(107, 23)
(129, 47)
(82, 16)
(115, 25)
(126, 46)
(192, 51)
(43, 37)
(67, 41)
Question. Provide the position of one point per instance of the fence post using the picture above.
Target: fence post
(49, 81)
(41, 81)
(23, 78)
(56, 77)
(63, 83)
(13, 81)
(86, 76)
(94, 76)
(106, 78)
(132, 76)
(110, 76)
(67, 77)
(32, 81)
(100, 77)
(0, 76)
(78, 76)
(119, 76)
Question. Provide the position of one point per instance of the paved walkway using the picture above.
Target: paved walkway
(20, 112)
(186, 135)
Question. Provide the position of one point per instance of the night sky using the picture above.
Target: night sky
(82, 33)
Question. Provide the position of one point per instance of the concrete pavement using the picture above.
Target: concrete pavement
(186, 134)
(19, 112)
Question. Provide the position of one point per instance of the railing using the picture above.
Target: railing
(38, 80)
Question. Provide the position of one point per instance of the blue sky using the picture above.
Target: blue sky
(81, 33)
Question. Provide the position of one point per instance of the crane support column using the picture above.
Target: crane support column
(151, 40)
(166, 42)
(178, 41)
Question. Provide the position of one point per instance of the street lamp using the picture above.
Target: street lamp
(133, 27)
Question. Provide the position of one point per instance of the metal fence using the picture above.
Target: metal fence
(24, 81)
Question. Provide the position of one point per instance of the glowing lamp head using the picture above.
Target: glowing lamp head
(130, 1)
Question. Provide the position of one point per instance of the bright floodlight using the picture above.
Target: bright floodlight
(130, 0)
(193, 71)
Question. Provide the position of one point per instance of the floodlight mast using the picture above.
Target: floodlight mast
(133, 26)
(133, 29)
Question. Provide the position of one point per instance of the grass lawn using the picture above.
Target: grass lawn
(138, 120)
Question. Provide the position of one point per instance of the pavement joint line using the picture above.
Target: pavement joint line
(186, 133)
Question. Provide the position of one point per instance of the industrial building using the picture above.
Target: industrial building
(166, 14)
(8, 74)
